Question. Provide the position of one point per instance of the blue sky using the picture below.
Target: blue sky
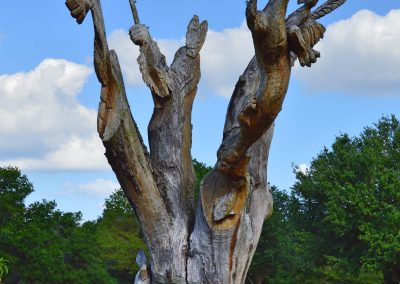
(50, 94)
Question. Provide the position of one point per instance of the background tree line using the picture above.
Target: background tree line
(340, 223)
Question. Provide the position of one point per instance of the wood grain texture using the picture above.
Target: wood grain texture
(214, 242)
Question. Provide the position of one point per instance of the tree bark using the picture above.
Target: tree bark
(215, 242)
(235, 199)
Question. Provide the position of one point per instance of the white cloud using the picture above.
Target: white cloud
(359, 55)
(75, 154)
(224, 57)
(42, 124)
(99, 187)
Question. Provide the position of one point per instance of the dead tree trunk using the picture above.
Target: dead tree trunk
(215, 242)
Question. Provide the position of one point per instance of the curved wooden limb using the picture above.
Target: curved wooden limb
(170, 134)
(165, 232)
(129, 159)
(223, 253)
(153, 65)
(234, 197)
(171, 128)
(272, 55)
(222, 243)
(101, 50)
(242, 98)
(79, 10)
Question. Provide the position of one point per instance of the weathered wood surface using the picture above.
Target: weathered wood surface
(215, 242)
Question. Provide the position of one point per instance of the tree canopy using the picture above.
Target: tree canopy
(350, 197)
(41, 244)
(341, 222)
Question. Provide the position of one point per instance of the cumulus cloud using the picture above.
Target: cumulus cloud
(75, 154)
(42, 124)
(359, 55)
(99, 187)
(225, 55)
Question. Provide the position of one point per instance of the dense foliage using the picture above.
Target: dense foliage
(339, 224)
(350, 197)
(288, 253)
(40, 244)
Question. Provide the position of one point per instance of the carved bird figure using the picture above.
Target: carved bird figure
(302, 14)
(304, 31)
(79, 8)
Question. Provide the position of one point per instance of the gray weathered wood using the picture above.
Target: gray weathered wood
(215, 242)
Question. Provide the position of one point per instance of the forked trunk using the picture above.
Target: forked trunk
(213, 241)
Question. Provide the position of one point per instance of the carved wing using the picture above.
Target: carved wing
(327, 8)
(312, 32)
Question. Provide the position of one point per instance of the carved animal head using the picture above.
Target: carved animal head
(196, 35)
(79, 9)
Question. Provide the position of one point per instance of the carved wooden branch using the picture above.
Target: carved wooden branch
(125, 150)
(170, 132)
(223, 248)
(270, 42)
(134, 12)
(153, 65)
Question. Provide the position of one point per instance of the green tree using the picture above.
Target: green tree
(350, 199)
(52, 247)
(43, 244)
(272, 248)
(285, 253)
(14, 188)
(3, 268)
(119, 238)
(200, 170)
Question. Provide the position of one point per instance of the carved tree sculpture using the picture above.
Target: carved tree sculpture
(214, 242)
